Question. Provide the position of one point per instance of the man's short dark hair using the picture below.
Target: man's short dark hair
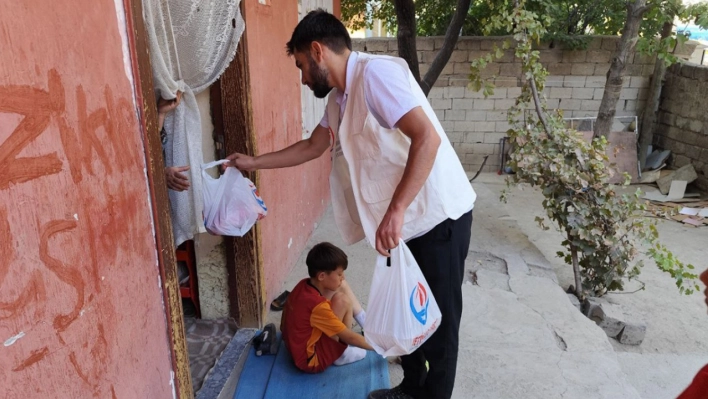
(320, 26)
(325, 257)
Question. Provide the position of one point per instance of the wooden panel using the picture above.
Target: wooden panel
(232, 113)
(622, 152)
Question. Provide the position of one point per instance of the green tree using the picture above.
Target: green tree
(573, 21)
(572, 18)
(359, 13)
(603, 230)
(648, 25)
(663, 47)
(618, 64)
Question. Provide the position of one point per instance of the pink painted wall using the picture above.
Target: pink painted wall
(296, 197)
(81, 309)
(337, 8)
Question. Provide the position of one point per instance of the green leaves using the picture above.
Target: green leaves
(566, 22)
(477, 82)
(606, 230)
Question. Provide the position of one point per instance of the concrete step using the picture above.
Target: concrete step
(221, 381)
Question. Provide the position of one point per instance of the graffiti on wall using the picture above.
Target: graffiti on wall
(72, 250)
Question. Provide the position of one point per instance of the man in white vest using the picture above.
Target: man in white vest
(394, 176)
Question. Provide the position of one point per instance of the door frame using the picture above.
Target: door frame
(159, 200)
(232, 115)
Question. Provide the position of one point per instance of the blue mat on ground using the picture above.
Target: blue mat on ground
(275, 377)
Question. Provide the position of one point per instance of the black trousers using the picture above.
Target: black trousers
(441, 255)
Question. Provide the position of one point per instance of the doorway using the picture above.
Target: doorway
(231, 111)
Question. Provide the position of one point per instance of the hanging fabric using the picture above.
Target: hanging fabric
(191, 44)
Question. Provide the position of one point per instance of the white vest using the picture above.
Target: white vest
(368, 162)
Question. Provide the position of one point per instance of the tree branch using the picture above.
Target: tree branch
(639, 11)
(631, 292)
(451, 36)
(615, 75)
(534, 89)
(537, 104)
(405, 16)
(646, 127)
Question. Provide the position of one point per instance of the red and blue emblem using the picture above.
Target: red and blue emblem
(419, 303)
(259, 200)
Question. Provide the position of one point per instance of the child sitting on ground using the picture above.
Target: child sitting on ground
(319, 313)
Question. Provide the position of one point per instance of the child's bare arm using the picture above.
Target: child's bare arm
(349, 337)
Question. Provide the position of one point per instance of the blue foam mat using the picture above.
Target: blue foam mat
(255, 375)
(275, 377)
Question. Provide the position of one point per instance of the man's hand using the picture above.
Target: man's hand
(242, 162)
(175, 179)
(388, 235)
(164, 107)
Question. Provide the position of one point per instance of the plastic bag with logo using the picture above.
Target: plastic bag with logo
(231, 203)
(401, 312)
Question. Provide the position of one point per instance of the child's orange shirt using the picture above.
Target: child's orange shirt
(309, 323)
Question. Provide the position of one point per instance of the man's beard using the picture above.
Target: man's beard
(319, 87)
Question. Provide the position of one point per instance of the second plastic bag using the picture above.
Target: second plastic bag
(231, 203)
(402, 312)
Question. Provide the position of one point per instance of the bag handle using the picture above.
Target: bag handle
(212, 164)
(388, 258)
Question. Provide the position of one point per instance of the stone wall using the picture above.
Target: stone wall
(475, 124)
(683, 119)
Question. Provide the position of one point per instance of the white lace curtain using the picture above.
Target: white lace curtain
(191, 44)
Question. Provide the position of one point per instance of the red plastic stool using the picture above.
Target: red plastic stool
(190, 289)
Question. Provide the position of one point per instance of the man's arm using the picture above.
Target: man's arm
(424, 147)
(296, 154)
(349, 337)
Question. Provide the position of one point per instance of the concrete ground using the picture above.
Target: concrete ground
(676, 343)
(520, 335)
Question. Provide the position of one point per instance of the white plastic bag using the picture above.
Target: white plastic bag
(231, 203)
(402, 312)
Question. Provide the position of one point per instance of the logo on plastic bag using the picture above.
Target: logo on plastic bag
(258, 198)
(419, 303)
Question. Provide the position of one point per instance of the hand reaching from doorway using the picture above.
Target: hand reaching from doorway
(174, 177)
(176, 180)
(164, 107)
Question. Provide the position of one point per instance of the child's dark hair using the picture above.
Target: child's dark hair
(321, 26)
(325, 257)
